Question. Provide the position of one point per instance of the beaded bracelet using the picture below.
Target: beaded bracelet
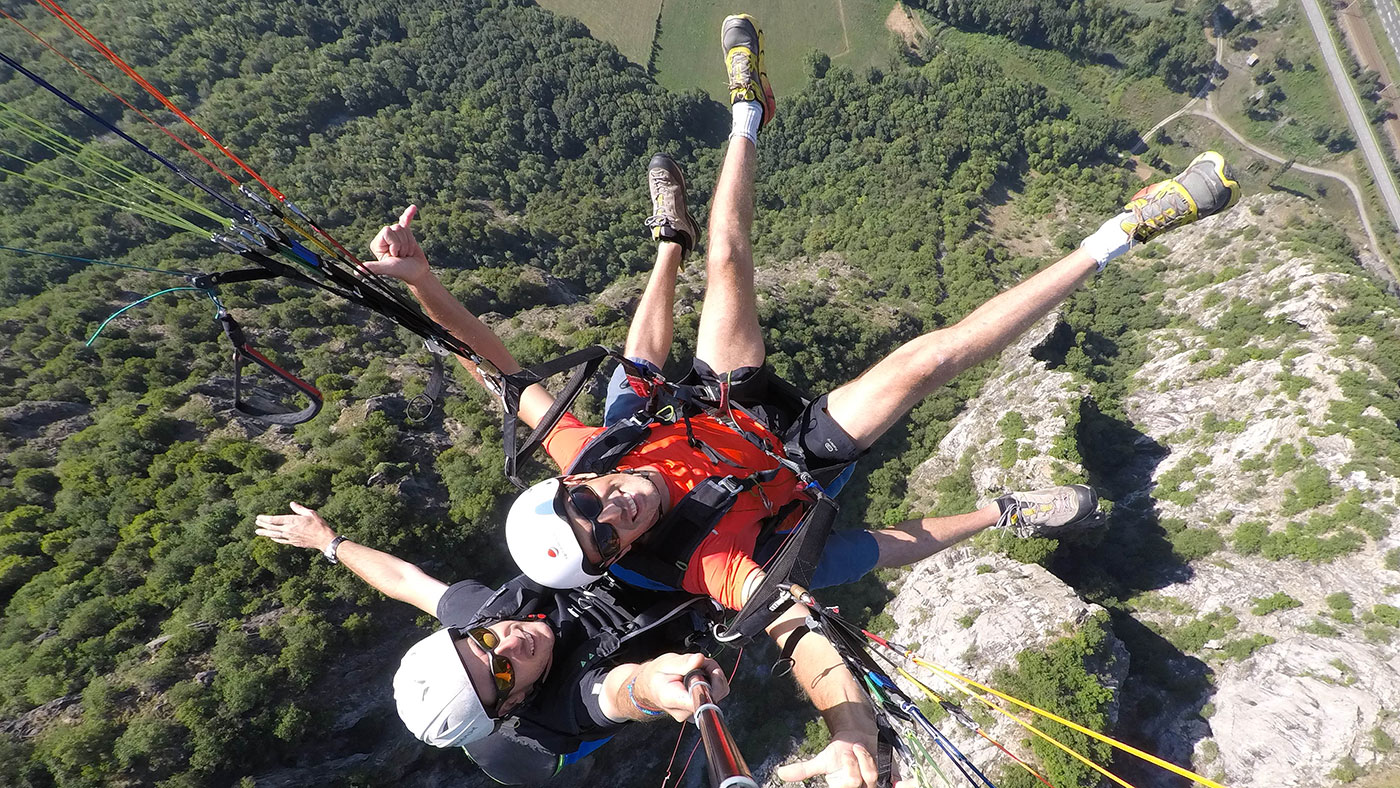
(640, 707)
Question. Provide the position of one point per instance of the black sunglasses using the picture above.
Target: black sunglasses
(502, 671)
(587, 503)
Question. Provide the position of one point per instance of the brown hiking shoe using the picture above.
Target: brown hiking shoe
(669, 220)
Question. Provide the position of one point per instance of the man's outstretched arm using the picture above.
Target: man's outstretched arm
(398, 254)
(393, 577)
(849, 760)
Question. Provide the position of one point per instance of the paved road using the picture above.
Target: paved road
(1360, 126)
(1389, 11)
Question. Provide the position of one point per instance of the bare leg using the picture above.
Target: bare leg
(870, 404)
(649, 336)
(915, 540)
(729, 335)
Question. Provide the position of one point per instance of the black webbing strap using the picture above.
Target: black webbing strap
(423, 405)
(209, 281)
(850, 646)
(607, 448)
(242, 351)
(795, 562)
(583, 363)
(885, 739)
(664, 553)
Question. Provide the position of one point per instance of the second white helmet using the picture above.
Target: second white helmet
(542, 542)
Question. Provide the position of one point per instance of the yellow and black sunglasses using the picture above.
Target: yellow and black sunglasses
(501, 668)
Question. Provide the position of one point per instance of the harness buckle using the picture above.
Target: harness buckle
(730, 485)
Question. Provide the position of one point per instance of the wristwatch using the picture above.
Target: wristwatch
(329, 552)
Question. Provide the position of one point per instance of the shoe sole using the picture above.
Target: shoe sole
(770, 103)
(1222, 172)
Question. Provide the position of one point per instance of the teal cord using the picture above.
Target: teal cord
(118, 313)
(96, 262)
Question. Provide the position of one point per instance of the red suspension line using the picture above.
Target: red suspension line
(63, 16)
(120, 98)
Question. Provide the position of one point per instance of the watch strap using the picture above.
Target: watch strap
(331, 549)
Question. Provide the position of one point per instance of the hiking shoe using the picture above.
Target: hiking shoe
(742, 43)
(1049, 513)
(669, 220)
(1206, 187)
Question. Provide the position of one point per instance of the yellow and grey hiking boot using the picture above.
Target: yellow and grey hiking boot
(1049, 513)
(742, 43)
(669, 220)
(1206, 187)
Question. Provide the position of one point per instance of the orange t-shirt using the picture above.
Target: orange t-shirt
(724, 560)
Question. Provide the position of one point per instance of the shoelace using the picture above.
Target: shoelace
(740, 75)
(1164, 215)
(663, 210)
(1010, 518)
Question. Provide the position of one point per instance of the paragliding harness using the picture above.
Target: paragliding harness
(613, 615)
(663, 555)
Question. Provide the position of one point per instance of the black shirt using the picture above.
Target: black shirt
(594, 631)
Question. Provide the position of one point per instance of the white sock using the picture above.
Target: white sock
(1109, 241)
(747, 117)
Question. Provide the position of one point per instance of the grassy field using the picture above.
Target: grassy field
(851, 32)
(628, 25)
(1310, 101)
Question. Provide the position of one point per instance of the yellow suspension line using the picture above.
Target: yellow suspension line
(68, 147)
(1042, 734)
(124, 205)
(934, 695)
(1171, 767)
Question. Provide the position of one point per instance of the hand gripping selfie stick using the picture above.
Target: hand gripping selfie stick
(727, 767)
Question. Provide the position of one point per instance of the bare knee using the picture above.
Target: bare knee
(928, 361)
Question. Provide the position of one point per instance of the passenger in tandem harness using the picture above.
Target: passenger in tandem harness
(526, 679)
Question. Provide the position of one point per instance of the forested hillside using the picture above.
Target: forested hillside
(146, 637)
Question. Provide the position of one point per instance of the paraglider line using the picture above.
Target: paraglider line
(119, 312)
(120, 98)
(75, 258)
(75, 104)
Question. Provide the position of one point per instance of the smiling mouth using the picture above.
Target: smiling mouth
(529, 640)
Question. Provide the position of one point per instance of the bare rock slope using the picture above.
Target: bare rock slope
(1266, 431)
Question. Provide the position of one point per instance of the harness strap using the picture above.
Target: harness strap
(422, 406)
(242, 351)
(583, 363)
(795, 562)
(683, 528)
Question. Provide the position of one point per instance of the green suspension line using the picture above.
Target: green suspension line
(116, 314)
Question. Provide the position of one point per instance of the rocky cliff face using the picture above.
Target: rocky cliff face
(1263, 472)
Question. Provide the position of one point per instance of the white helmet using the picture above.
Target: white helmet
(435, 696)
(542, 542)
